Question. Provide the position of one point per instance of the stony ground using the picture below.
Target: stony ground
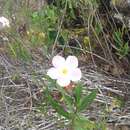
(20, 95)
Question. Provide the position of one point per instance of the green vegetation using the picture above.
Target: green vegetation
(39, 31)
(71, 105)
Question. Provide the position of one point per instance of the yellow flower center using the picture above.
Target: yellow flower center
(64, 71)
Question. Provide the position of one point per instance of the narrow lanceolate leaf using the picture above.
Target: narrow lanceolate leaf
(77, 93)
(60, 110)
(82, 123)
(87, 100)
(68, 99)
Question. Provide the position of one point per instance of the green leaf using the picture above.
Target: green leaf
(98, 28)
(82, 123)
(123, 50)
(51, 83)
(60, 110)
(77, 93)
(87, 100)
(101, 125)
(68, 99)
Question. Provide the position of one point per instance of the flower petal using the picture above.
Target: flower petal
(72, 61)
(76, 74)
(63, 82)
(4, 21)
(53, 73)
(58, 61)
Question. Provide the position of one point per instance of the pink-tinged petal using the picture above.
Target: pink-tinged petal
(52, 73)
(63, 82)
(58, 61)
(76, 74)
(72, 62)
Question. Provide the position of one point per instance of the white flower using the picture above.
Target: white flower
(65, 71)
(4, 22)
